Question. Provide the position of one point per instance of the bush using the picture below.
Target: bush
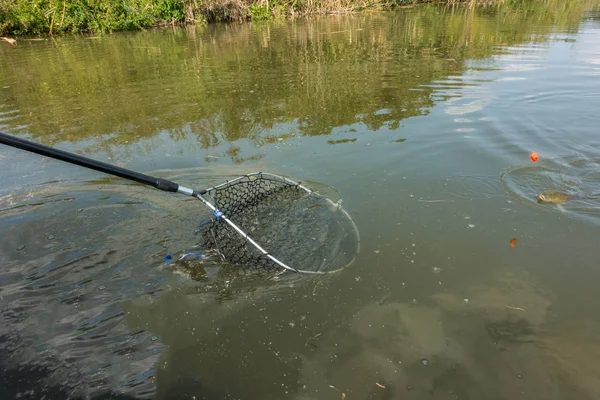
(37, 17)
(19, 17)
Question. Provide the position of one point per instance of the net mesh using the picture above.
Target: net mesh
(301, 229)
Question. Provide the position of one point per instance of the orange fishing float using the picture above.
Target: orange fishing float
(534, 156)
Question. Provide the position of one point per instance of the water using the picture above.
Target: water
(420, 120)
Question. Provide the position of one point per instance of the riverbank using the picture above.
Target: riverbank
(48, 17)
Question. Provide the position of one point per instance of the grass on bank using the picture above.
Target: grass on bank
(43, 17)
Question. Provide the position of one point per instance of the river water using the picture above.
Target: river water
(421, 121)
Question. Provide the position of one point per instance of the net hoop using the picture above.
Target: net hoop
(269, 176)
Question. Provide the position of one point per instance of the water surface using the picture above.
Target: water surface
(421, 121)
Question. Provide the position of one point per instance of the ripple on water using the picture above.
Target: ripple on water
(579, 178)
(51, 307)
(473, 187)
(66, 294)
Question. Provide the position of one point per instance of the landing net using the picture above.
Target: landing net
(265, 221)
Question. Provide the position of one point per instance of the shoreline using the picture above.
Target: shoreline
(22, 20)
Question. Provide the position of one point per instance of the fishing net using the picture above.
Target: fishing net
(264, 221)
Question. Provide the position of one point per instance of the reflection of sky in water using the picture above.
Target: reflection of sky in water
(587, 53)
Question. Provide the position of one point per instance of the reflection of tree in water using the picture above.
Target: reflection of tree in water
(223, 83)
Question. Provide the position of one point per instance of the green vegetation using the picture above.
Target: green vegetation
(342, 141)
(253, 84)
(18, 17)
(41, 17)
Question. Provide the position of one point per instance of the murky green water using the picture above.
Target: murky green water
(420, 120)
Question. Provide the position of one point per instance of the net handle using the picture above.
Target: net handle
(158, 183)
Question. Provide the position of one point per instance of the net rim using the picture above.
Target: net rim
(274, 177)
(262, 174)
